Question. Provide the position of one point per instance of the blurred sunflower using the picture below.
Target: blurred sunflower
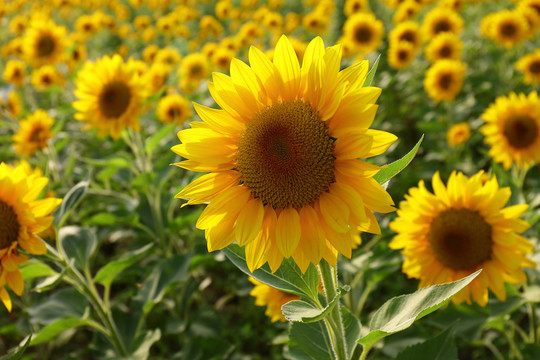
(194, 67)
(365, 31)
(33, 134)
(444, 46)
(512, 129)
(149, 53)
(406, 11)
(222, 58)
(169, 57)
(15, 72)
(14, 104)
(46, 76)
(110, 95)
(282, 155)
(529, 65)
(508, 28)
(355, 6)
(444, 79)
(407, 31)
(439, 20)
(458, 134)
(400, 55)
(459, 229)
(44, 42)
(272, 298)
(173, 108)
(22, 215)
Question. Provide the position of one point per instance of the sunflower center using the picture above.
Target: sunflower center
(408, 36)
(45, 46)
(520, 131)
(35, 136)
(441, 26)
(362, 34)
(445, 81)
(285, 156)
(402, 55)
(9, 226)
(445, 51)
(535, 67)
(195, 70)
(460, 238)
(173, 112)
(114, 99)
(508, 29)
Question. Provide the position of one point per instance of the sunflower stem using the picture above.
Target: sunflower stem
(334, 322)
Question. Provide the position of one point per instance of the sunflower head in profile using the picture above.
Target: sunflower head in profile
(512, 129)
(365, 31)
(408, 31)
(110, 95)
(444, 46)
(15, 72)
(33, 134)
(272, 298)
(444, 79)
(400, 54)
(174, 108)
(458, 229)
(529, 65)
(283, 155)
(458, 134)
(22, 216)
(44, 42)
(439, 20)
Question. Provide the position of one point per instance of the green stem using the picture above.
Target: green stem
(334, 321)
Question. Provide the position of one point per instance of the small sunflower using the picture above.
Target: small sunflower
(355, 6)
(282, 152)
(46, 76)
(529, 65)
(15, 72)
(444, 79)
(110, 95)
(195, 66)
(169, 57)
(400, 55)
(365, 31)
(407, 31)
(406, 11)
(142, 22)
(439, 20)
(459, 229)
(22, 216)
(174, 108)
(444, 46)
(149, 53)
(222, 58)
(512, 129)
(14, 104)
(44, 42)
(458, 134)
(272, 298)
(33, 134)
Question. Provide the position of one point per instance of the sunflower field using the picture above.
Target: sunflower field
(270, 179)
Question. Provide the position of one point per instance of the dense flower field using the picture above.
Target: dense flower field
(251, 179)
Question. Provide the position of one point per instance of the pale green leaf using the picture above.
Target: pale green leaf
(392, 169)
(35, 269)
(303, 311)
(371, 73)
(78, 243)
(110, 271)
(72, 198)
(55, 328)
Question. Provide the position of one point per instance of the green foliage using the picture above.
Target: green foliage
(391, 170)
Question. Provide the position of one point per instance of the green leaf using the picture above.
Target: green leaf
(66, 302)
(55, 328)
(154, 141)
(72, 198)
(397, 166)
(144, 343)
(110, 271)
(309, 341)
(352, 328)
(441, 347)
(287, 278)
(400, 312)
(303, 311)
(78, 243)
(371, 73)
(34, 269)
(19, 352)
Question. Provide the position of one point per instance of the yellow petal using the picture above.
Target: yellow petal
(249, 221)
(335, 212)
(288, 231)
(224, 206)
(286, 62)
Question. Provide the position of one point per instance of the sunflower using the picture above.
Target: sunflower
(407, 31)
(282, 155)
(194, 67)
(15, 72)
(273, 299)
(14, 104)
(406, 11)
(110, 95)
(355, 6)
(86, 25)
(512, 129)
(174, 108)
(46, 76)
(44, 42)
(534, 7)
(22, 216)
(444, 46)
(508, 28)
(142, 22)
(458, 134)
(439, 20)
(459, 229)
(364, 31)
(444, 79)
(33, 134)
(169, 57)
(529, 65)
(400, 55)
(222, 58)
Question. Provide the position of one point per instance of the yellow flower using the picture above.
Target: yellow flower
(33, 134)
(223, 9)
(169, 57)
(444, 46)
(76, 56)
(529, 65)
(508, 28)
(44, 42)
(531, 10)
(142, 22)
(86, 25)
(439, 20)
(512, 129)
(455, 5)
(46, 76)
(22, 216)
(400, 55)
(459, 229)
(194, 67)
(444, 79)
(355, 6)
(149, 53)
(458, 134)
(14, 72)
(364, 31)
(408, 31)
(14, 104)
(110, 95)
(272, 298)
(316, 22)
(282, 152)
(173, 108)
(406, 11)
(273, 21)
(17, 24)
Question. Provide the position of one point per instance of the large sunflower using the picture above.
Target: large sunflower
(285, 179)
(365, 31)
(444, 79)
(33, 134)
(459, 229)
(44, 42)
(529, 65)
(22, 216)
(512, 129)
(111, 95)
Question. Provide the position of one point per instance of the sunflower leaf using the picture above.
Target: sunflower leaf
(55, 328)
(392, 169)
(440, 347)
(154, 141)
(400, 312)
(371, 73)
(287, 278)
(72, 198)
(110, 271)
(19, 352)
(78, 243)
(303, 311)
